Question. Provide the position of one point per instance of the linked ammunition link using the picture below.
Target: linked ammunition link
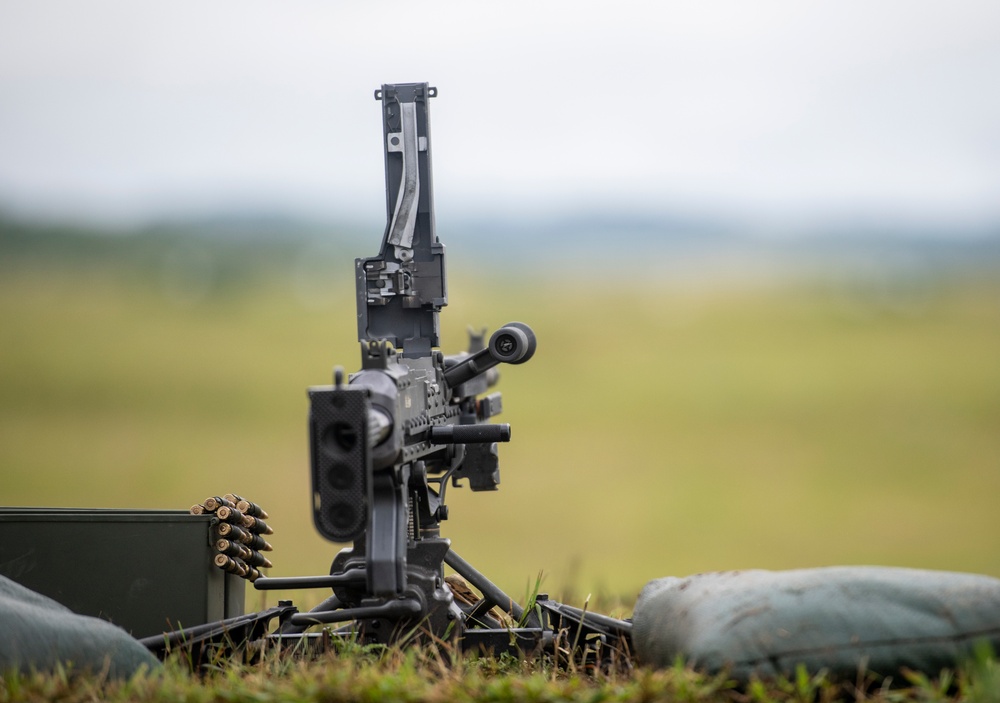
(239, 530)
(243, 536)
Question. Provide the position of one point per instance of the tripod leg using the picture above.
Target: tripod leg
(331, 603)
(489, 589)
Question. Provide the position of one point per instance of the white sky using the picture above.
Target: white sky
(783, 108)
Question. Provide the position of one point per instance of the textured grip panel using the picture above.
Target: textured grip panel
(341, 462)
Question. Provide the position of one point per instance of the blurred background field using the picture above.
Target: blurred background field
(759, 243)
(665, 426)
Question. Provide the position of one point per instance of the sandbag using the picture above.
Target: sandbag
(839, 619)
(37, 633)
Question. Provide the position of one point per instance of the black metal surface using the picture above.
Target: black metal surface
(201, 643)
(147, 571)
(489, 589)
(595, 622)
(390, 610)
(470, 434)
(341, 461)
(401, 290)
(347, 578)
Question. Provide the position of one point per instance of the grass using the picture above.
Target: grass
(366, 674)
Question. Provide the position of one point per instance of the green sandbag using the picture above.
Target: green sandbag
(841, 619)
(37, 633)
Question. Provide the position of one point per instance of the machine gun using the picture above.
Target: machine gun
(386, 442)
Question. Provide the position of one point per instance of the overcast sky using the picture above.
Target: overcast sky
(790, 108)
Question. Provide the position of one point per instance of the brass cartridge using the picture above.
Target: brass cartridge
(248, 508)
(231, 515)
(231, 565)
(213, 503)
(256, 525)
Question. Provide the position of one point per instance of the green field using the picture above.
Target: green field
(659, 430)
